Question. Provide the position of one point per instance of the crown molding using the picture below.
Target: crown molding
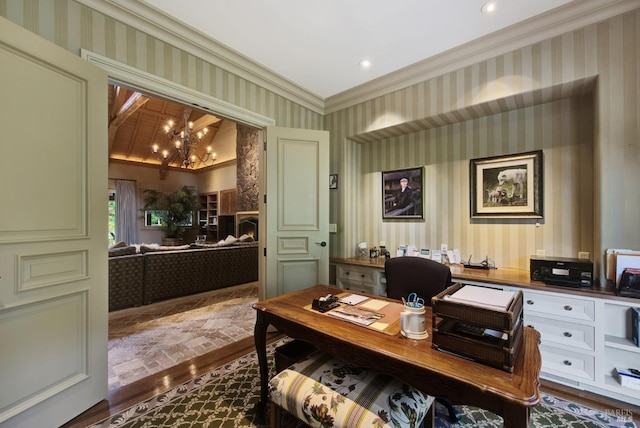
(568, 18)
(142, 17)
(164, 88)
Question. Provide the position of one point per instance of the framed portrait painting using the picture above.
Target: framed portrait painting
(507, 186)
(402, 193)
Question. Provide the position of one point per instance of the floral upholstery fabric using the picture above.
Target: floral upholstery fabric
(325, 392)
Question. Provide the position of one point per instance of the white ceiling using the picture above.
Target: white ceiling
(318, 44)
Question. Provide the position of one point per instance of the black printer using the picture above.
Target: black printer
(561, 271)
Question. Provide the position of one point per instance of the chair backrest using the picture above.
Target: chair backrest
(418, 275)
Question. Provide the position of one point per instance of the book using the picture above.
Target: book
(483, 296)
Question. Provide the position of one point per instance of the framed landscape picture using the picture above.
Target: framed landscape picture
(402, 193)
(507, 186)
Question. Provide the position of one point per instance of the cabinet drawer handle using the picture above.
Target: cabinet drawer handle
(568, 308)
(530, 302)
(566, 362)
(362, 275)
(347, 273)
(567, 334)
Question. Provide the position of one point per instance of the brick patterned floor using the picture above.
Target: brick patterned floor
(150, 338)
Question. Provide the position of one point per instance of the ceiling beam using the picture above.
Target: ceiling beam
(126, 109)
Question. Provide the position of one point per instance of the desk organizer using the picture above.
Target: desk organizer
(500, 353)
(485, 317)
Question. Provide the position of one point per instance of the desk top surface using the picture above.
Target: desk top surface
(414, 360)
(500, 276)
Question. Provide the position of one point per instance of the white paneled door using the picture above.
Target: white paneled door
(297, 210)
(53, 232)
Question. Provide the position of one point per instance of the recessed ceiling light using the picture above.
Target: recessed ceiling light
(365, 63)
(488, 7)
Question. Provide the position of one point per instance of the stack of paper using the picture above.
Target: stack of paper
(483, 297)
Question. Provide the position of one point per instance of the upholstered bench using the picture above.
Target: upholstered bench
(323, 391)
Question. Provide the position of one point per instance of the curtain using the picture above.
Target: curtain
(126, 208)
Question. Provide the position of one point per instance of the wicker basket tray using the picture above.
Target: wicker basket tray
(488, 318)
(499, 354)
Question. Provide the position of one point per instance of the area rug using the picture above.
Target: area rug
(227, 395)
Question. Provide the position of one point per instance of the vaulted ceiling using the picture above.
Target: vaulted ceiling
(137, 122)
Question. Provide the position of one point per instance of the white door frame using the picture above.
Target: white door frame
(163, 88)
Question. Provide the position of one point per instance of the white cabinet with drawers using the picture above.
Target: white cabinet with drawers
(567, 329)
(583, 339)
(361, 279)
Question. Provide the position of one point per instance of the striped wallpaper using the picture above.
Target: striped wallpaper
(74, 27)
(575, 96)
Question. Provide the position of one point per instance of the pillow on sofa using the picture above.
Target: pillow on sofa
(149, 248)
(228, 241)
(122, 251)
(120, 244)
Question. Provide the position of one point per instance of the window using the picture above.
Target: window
(157, 218)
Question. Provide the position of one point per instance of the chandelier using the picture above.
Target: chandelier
(185, 143)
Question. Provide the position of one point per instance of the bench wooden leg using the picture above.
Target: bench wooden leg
(275, 415)
(429, 420)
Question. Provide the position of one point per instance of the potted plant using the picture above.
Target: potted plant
(174, 209)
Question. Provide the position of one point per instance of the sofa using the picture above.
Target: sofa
(142, 276)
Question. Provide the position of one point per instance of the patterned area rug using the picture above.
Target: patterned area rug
(226, 397)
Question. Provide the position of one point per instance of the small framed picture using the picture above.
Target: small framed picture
(402, 194)
(507, 186)
(333, 181)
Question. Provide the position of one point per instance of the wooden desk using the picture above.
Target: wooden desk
(510, 395)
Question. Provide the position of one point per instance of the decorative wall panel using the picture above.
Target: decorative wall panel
(37, 270)
(64, 354)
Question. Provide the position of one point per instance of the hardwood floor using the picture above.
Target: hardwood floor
(128, 395)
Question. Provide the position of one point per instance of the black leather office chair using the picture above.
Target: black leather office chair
(424, 277)
(416, 275)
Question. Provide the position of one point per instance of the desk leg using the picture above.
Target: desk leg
(260, 339)
(516, 417)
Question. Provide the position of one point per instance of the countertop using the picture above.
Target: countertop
(500, 276)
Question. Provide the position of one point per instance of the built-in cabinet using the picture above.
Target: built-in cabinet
(228, 202)
(361, 279)
(228, 205)
(584, 336)
(217, 214)
(208, 215)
